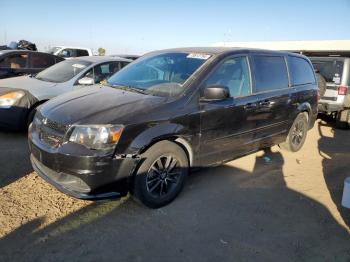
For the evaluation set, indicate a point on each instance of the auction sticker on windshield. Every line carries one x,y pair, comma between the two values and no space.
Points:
198,56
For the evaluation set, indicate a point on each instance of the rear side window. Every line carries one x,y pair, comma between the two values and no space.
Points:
68,53
81,52
331,70
42,60
15,61
301,71
270,73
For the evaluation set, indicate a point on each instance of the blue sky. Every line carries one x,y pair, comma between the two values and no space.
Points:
141,26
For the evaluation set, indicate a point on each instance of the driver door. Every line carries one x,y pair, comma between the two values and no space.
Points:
228,126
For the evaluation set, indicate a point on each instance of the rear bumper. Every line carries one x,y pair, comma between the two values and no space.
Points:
324,107
83,177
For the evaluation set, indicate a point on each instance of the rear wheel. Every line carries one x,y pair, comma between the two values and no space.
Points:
297,134
342,119
162,174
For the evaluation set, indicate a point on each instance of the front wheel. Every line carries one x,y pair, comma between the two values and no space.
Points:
162,174
297,134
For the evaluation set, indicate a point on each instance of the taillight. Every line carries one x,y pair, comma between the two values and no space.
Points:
342,90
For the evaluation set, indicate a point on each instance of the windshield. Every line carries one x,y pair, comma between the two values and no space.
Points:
331,70
162,74
54,50
63,71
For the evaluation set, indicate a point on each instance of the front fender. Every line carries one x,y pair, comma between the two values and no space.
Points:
151,135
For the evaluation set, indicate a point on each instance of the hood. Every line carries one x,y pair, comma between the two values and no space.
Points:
99,105
30,84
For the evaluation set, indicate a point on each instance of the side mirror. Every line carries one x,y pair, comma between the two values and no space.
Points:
216,92
86,81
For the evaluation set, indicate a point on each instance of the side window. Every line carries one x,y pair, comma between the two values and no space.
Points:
81,52
41,60
15,61
270,73
103,71
67,53
233,73
301,71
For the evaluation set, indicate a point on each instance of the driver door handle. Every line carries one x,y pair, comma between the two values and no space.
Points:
265,103
250,106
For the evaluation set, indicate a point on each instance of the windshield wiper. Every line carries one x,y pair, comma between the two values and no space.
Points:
130,88
44,79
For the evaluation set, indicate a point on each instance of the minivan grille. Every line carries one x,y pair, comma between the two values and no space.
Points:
55,126
50,132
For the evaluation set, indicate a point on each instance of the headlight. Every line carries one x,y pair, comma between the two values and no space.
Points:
96,136
9,99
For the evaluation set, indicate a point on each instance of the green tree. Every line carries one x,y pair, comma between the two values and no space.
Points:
101,51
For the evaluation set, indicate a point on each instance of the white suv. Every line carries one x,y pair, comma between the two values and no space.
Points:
336,99
68,51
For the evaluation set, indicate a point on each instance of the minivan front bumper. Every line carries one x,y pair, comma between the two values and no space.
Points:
84,177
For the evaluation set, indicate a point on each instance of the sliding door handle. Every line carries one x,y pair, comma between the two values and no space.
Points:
266,103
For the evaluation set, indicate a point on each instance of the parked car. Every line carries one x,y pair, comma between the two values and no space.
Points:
168,111
20,96
336,99
69,51
24,62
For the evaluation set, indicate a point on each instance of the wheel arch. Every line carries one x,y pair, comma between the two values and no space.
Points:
176,139
306,108
162,132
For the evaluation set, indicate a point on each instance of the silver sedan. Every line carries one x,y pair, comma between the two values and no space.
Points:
20,96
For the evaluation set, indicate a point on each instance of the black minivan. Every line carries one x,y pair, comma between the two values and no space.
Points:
170,111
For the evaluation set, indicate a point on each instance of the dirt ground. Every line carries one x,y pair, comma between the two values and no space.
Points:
251,209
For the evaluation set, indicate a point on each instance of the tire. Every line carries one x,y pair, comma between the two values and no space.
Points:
156,183
322,84
297,133
342,119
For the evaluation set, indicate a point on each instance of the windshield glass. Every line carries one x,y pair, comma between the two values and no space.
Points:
162,74
63,71
331,70
54,49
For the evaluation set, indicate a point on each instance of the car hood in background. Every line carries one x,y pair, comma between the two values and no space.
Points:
30,84
99,105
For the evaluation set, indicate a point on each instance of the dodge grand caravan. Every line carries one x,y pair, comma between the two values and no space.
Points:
170,111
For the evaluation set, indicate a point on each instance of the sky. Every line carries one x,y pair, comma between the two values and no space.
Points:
136,26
